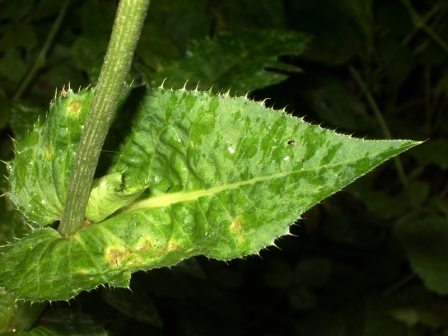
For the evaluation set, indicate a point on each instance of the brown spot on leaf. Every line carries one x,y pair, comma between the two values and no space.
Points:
236,226
115,257
86,222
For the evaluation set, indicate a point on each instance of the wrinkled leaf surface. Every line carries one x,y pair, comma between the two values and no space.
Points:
225,177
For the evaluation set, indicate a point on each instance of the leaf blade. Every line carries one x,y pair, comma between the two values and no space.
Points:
42,164
233,62
226,178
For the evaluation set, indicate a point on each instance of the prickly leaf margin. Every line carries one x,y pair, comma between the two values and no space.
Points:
218,176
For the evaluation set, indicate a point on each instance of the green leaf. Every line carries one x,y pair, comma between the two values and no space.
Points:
22,117
107,196
155,42
71,322
16,316
38,331
12,223
138,307
12,66
7,310
41,168
425,240
334,104
15,39
181,20
88,53
226,177
60,322
235,62
397,60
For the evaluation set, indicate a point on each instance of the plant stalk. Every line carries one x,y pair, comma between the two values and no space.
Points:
420,23
125,34
26,315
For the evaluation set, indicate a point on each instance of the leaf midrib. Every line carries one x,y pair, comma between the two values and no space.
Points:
168,199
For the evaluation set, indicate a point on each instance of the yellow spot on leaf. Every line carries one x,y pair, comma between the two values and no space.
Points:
143,245
48,153
172,247
236,226
74,106
115,257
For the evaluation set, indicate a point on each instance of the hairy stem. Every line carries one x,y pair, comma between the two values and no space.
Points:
124,38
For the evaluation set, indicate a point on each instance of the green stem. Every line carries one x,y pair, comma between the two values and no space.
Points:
424,19
399,284
26,315
41,58
381,121
124,38
420,23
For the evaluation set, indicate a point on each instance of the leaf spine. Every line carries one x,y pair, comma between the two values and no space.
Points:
163,82
264,101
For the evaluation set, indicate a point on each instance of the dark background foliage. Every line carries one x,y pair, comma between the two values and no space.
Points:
370,260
